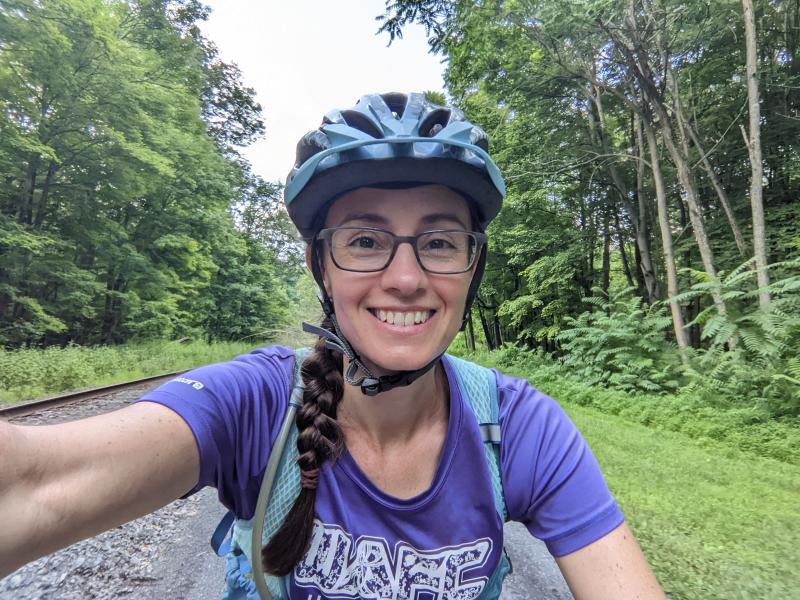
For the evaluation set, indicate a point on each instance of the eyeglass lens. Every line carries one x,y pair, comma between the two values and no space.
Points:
358,249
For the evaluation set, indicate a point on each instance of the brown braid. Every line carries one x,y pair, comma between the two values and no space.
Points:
319,439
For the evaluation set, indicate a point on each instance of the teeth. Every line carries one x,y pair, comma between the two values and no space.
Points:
403,318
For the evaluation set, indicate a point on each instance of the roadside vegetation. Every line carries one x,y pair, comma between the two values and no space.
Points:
713,522
32,373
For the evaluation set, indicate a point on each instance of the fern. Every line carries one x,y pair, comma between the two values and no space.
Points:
621,343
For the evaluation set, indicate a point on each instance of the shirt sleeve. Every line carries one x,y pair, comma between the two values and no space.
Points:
234,410
552,481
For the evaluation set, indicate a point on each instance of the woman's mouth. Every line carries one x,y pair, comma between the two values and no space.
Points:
402,318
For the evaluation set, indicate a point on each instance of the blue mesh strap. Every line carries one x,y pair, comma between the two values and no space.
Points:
479,388
286,487
218,542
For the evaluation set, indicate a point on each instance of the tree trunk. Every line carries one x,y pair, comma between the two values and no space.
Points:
653,292
754,150
721,193
469,333
666,239
498,334
606,280
623,253
486,332
25,210
638,63
41,209
636,217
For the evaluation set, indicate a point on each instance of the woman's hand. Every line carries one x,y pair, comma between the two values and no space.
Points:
612,568
63,483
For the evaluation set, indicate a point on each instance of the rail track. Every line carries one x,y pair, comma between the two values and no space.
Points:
28,408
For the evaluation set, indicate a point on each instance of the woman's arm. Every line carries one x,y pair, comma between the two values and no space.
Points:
63,483
611,568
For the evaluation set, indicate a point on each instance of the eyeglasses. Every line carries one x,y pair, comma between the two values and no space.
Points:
366,249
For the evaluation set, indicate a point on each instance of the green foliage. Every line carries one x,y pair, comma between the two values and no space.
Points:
709,419
694,481
30,373
620,343
119,178
713,522
753,350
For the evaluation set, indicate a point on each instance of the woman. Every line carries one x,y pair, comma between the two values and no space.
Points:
393,197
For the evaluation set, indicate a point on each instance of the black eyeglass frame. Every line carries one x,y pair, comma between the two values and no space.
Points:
480,242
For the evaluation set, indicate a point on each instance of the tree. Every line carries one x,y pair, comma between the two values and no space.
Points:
754,150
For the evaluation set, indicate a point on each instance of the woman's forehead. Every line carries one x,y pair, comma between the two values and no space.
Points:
420,205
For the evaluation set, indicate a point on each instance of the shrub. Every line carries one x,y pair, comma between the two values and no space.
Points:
621,343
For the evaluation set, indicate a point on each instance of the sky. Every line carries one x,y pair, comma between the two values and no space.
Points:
306,57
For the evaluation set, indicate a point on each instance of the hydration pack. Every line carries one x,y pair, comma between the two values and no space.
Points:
233,538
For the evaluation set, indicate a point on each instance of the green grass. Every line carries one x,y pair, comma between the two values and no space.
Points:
713,522
31,373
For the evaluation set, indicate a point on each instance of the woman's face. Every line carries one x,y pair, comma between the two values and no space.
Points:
373,308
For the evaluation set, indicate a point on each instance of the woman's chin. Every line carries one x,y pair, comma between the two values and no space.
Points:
391,365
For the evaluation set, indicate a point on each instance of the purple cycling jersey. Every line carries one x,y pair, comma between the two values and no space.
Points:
447,538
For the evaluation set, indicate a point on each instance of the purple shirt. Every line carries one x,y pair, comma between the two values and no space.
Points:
447,538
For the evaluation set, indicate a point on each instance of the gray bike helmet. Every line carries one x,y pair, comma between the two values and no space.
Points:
389,140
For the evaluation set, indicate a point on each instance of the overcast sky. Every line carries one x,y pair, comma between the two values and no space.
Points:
305,57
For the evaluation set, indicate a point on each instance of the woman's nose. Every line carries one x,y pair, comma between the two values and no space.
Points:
404,273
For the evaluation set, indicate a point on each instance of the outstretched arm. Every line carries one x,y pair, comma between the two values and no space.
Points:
63,483
611,568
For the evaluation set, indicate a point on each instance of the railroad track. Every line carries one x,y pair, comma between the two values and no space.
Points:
35,406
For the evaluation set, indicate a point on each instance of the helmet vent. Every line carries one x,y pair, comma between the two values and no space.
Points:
396,103
434,122
360,121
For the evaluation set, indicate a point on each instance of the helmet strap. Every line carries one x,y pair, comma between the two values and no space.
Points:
472,293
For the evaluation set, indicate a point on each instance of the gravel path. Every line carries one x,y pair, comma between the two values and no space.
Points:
166,554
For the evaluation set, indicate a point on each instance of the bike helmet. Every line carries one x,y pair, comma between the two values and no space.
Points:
389,140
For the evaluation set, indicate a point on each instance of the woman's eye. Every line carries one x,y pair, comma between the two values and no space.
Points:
364,242
439,244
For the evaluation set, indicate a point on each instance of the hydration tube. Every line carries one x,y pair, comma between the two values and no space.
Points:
295,402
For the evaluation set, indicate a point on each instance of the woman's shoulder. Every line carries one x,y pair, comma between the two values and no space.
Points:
265,371
255,367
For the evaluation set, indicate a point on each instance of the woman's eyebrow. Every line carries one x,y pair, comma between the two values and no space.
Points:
439,217
373,218
377,219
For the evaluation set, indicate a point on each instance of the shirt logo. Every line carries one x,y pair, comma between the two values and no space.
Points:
195,384
368,568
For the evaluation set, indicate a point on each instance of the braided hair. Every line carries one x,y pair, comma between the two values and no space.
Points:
319,439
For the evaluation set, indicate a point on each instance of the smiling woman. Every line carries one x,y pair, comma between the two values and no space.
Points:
404,462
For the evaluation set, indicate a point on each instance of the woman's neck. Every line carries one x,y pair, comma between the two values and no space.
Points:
397,415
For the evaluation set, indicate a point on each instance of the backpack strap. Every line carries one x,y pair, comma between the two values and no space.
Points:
479,388
279,487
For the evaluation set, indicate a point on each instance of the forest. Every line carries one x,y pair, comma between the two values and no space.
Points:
126,210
